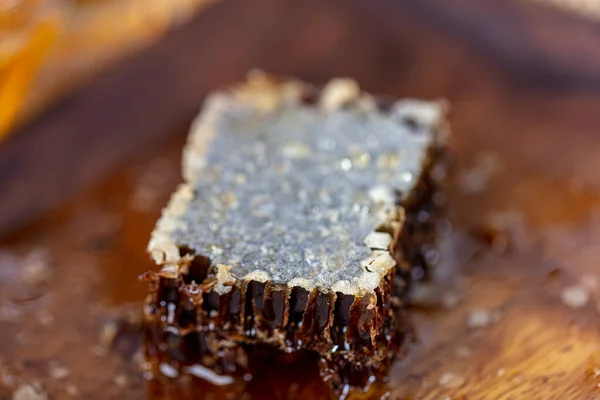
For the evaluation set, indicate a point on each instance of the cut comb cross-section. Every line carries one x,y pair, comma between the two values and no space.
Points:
302,214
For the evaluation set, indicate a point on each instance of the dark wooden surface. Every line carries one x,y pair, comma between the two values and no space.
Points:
538,45
524,205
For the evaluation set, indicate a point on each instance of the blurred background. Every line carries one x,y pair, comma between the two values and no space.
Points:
96,98
50,47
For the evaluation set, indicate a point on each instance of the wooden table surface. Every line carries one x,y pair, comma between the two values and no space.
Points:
513,311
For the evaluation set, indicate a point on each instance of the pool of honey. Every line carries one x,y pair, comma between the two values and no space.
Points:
512,311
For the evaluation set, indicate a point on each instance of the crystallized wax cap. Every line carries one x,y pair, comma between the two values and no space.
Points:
295,192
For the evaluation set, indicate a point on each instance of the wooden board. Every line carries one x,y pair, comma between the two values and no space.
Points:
512,312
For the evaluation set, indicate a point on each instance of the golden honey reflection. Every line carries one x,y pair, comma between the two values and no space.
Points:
48,47
26,34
